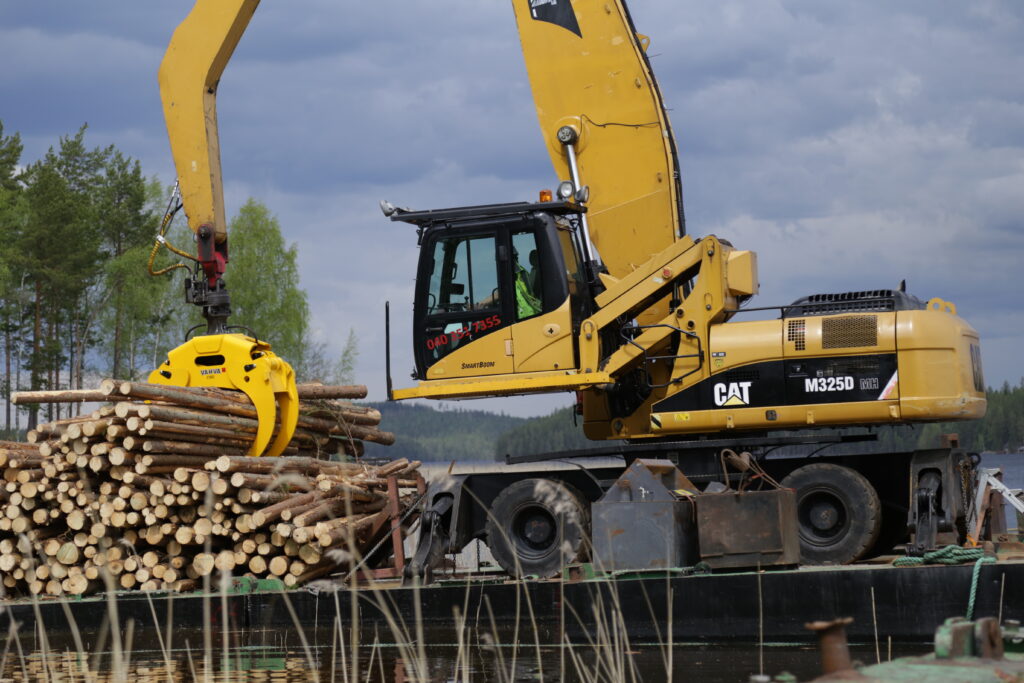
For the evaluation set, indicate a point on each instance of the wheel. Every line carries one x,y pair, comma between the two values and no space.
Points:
838,511
537,526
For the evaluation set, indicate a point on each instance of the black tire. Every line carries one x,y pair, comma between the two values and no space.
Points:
537,526
838,510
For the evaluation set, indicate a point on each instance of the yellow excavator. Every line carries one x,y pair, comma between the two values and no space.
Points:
598,288
638,316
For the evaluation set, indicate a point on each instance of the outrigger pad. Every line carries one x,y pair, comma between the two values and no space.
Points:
235,361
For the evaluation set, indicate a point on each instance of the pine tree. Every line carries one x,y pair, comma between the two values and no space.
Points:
127,223
11,220
59,251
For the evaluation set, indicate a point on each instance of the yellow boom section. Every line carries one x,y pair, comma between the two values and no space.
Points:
588,70
198,52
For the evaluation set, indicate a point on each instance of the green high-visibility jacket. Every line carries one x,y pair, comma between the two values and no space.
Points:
527,304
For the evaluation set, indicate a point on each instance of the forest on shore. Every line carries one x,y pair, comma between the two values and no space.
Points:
77,301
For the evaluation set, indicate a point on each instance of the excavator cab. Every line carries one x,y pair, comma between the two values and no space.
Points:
508,276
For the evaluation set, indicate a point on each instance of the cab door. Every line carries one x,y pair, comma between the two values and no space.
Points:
543,277
463,310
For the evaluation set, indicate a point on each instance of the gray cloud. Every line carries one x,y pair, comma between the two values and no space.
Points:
850,144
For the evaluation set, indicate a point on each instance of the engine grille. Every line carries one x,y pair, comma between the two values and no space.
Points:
849,332
795,332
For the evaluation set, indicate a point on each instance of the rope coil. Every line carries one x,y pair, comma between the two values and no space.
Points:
953,554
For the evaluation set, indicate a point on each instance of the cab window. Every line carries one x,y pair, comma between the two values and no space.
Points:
573,268
465,276
463,300
528,284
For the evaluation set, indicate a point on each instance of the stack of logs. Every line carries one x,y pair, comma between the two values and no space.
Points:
154,491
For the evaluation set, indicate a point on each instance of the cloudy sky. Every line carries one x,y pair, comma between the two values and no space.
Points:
851,144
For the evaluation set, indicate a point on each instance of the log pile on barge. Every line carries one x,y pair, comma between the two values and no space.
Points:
154,491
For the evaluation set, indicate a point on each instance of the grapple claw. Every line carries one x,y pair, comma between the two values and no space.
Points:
288,414
235,361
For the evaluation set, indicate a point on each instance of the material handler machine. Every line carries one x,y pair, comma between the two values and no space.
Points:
599,289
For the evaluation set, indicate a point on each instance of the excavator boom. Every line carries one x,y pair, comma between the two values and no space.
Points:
589,71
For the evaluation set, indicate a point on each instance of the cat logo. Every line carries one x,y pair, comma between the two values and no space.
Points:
732,393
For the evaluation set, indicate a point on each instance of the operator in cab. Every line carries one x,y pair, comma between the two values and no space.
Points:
527,302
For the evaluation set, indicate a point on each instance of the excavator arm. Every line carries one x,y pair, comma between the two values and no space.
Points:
189,75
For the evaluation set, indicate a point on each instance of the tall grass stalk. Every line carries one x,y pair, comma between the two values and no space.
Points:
21,652
207,611
76,636
503,675
225,657
101,643
461,659
420,640
874,622
11,632
117,652
164,649
191,662
41,630
129,637
373,656
380,662
521,585
341,637
665,648
670,667
760,623
334,647
411,648
302,636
